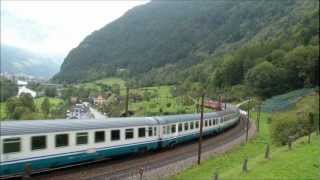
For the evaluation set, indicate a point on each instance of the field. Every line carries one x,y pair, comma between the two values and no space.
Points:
161,102
97,85
299,163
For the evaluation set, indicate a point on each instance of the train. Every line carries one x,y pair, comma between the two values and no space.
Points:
43,145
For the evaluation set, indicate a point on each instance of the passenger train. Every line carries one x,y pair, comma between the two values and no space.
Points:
50,144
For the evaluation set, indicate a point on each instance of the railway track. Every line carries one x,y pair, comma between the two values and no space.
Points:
124,167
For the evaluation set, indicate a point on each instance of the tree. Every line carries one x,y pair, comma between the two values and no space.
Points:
27,101
50,92
8,89
266,80
45,107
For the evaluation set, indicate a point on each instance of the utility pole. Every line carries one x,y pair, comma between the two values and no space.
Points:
201,127
248,118
127,102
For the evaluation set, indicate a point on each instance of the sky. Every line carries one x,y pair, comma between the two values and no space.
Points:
55,27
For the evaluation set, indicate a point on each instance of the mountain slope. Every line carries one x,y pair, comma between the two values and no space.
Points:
163,37
16,61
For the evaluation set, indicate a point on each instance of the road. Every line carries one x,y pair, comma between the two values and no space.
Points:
96,114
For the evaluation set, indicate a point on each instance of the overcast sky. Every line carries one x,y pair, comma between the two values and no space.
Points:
55,27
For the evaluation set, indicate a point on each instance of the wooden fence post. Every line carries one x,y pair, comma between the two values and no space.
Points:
266,155
215,175
245,165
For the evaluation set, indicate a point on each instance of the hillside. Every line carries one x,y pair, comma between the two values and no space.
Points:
298,163
16,61
166,42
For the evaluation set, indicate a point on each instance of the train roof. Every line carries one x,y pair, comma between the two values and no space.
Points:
188,117
11,128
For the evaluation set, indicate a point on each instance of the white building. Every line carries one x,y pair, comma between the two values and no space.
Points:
25,90
22,83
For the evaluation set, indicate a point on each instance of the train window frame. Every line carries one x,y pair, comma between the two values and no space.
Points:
210,122
115,137
197,124
173,128
150,131
180,128
141,132
154,131
40,148
191,125
13,140
63,145
103,137
164,130
168,129
186,126
82,135
129,131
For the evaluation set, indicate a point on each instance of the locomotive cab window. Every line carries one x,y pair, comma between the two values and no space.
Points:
142,132
38,142
115,135
82,138
11,145
62,140
99,136
129,133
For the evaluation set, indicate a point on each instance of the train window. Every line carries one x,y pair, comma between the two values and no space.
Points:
173,128
99,136
214,121
180,127
191,125
38,142
82,138
142,132
210,122
197,124
115,135
205,123
129,133
11,145
150,131
154,131
164,130
186,126
168,129
62,140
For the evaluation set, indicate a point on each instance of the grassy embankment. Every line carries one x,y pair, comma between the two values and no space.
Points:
301,162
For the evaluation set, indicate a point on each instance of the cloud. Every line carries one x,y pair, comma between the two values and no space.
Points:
56,26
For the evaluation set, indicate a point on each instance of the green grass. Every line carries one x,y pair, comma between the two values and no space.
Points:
300,163
3,113
163,99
